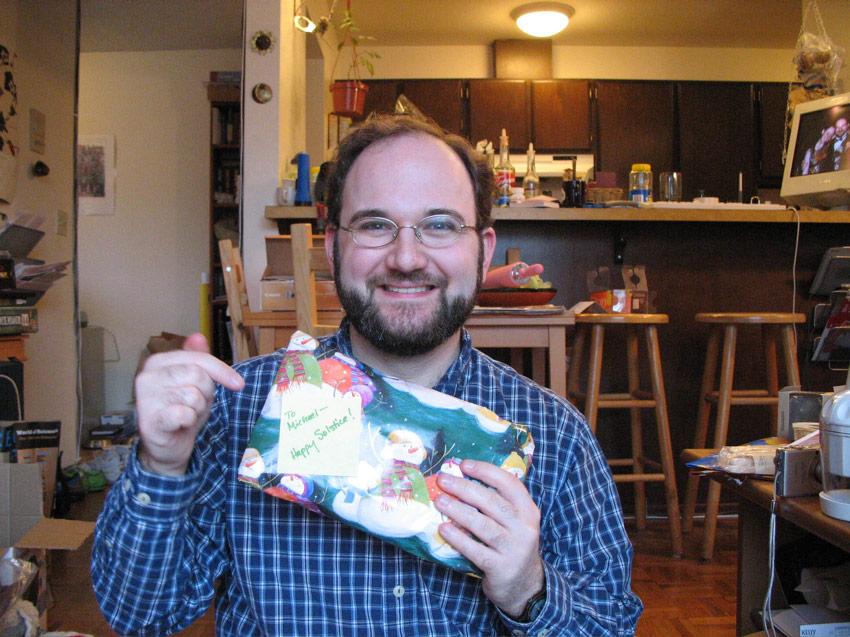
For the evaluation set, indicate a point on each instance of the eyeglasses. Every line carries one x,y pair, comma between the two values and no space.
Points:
436,231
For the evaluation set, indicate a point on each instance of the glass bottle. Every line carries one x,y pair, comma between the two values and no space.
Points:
640,183
531,182
505,175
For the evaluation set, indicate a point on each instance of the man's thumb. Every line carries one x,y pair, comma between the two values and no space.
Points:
196,342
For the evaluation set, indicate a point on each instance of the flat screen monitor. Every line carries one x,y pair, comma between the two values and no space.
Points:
817,164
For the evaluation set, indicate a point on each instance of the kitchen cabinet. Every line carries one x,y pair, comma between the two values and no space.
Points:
770,99
442,100
635,124
716,139
498,104
560,115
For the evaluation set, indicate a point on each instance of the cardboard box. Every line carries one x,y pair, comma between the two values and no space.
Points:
23,527
277,288
38,442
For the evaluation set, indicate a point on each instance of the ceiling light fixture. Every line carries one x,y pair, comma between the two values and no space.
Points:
543,19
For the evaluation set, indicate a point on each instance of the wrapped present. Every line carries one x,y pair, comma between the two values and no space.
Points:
347,441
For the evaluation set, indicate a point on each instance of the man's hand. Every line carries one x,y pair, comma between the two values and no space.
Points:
174,395
506,520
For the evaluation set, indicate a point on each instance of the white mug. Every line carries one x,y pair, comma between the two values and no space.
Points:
286,193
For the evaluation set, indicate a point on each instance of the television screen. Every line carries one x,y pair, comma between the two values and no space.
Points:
821,141
817,166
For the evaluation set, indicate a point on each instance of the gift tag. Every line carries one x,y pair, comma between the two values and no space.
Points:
319,431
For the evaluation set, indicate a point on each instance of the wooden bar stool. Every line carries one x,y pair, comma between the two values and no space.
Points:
634,400
724,329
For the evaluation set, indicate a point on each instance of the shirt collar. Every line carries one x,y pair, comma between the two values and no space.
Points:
448,384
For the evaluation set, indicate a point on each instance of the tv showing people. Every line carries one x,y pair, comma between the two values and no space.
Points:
822,145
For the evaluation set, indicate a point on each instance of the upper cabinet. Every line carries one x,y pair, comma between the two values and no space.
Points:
770,100
560,115
636,125
442,100
498,104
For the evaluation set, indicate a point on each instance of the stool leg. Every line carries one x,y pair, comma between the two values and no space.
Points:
574,372
594,375
703,416
636,426
768,338
724,398
789,353
664,444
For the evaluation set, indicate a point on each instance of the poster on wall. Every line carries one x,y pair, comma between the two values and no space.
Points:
9,150
96,174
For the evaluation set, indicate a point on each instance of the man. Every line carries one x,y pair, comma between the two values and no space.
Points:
839,144
409,239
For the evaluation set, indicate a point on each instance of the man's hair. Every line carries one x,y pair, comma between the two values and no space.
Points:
384,127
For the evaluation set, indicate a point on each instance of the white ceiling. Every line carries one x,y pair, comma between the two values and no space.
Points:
114,25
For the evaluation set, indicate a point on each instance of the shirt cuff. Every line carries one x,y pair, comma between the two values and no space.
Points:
554,614
153,498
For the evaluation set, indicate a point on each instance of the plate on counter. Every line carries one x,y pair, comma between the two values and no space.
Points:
515,297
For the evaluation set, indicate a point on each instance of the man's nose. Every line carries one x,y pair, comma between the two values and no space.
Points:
407,253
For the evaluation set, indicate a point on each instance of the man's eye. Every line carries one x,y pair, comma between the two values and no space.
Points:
440,225
374,226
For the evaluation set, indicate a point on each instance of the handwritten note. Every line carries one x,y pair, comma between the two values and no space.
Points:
319,432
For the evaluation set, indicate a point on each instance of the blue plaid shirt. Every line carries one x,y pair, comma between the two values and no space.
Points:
162,543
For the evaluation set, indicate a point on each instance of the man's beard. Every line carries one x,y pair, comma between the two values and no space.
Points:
408,337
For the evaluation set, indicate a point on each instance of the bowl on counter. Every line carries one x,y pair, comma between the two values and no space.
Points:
515,297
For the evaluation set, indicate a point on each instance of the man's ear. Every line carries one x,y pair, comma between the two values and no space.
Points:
488,239
330,237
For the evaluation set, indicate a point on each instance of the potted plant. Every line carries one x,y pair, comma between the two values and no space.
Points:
349,95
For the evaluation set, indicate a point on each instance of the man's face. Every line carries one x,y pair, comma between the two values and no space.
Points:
840,127
407,298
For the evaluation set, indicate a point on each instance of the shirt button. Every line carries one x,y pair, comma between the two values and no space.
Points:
516,632
543,633
143,498
127,484
398,591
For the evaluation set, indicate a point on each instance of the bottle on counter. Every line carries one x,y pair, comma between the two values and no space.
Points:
505,174
640,183
531,182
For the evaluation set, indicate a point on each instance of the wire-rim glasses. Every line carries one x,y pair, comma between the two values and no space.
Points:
435,231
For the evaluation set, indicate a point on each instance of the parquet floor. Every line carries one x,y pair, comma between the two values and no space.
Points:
682,597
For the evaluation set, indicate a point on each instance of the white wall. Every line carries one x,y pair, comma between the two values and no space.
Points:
43,36
140,268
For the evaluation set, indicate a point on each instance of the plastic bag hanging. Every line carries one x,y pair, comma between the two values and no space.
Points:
817,62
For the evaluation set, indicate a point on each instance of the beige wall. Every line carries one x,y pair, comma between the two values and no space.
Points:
140,268
43,36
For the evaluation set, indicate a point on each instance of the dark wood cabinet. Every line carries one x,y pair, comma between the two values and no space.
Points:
716,139
770,101
441,100
561,115
636,124
498,104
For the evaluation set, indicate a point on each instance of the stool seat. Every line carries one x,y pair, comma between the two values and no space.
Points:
748,318
724,328
634,399
625,319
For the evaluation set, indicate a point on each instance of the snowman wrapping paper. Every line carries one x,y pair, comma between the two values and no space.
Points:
344,440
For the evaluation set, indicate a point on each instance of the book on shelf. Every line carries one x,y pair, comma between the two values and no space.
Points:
18,320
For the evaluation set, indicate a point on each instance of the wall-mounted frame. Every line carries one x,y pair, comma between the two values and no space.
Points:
96,174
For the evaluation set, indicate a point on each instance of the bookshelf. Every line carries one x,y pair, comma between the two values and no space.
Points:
225,199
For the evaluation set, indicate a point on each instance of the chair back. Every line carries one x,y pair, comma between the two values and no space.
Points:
306,261
237,299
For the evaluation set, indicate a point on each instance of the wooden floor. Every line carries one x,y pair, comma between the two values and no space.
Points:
682,597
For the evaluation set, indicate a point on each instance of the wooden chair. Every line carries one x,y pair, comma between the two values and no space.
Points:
237,299
306,261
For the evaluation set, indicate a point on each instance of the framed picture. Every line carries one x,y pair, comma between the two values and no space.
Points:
96,174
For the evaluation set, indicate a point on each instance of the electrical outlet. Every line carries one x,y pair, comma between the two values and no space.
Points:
62,223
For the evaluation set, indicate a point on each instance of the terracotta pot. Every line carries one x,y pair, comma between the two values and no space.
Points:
349,98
